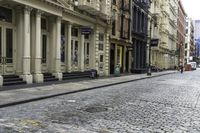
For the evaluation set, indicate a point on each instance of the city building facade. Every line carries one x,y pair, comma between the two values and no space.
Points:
181,33
139,28
164,27
189,41
197,36
120,42
197,48
56,36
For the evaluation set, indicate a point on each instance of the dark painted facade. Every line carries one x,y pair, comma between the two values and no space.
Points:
139,34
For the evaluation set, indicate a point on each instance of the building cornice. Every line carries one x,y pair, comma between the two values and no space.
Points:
59,10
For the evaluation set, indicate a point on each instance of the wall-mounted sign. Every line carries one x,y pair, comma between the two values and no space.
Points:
86,30
154,42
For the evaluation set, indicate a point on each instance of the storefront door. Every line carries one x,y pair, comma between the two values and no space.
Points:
87,55
74,54
6,50
44,42
120,57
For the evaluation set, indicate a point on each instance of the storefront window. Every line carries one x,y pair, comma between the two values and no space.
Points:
9,45
87,53
119,55
44,49
6,14
75,32
74,52
43,24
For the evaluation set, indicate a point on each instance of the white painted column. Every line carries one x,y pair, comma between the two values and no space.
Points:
97,49
57,72
69,56
19,40
38,76
107,54
82,53
26,56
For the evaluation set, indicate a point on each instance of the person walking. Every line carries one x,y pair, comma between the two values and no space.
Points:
181,68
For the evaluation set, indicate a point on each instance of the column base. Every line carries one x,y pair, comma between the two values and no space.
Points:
38,78
106,72
69,70
27,78
58,75
1,80
82,70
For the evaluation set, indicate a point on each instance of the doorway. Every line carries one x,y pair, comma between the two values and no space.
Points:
74,54
112,58
6,50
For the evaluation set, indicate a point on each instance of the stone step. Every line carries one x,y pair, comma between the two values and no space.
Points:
50,79
12,79
13,83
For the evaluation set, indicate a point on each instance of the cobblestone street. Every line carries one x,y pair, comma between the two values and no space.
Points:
169,103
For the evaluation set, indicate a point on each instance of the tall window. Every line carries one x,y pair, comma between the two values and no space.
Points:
9,45
101,41
113,27
186,45
44,48
43,23
75,32
135,19
63,42
114,2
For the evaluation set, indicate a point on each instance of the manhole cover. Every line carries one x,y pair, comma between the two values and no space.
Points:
96,109
161,80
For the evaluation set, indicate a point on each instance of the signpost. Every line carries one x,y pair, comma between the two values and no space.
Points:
86,30
154,42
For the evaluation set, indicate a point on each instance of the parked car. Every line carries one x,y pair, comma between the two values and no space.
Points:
193,65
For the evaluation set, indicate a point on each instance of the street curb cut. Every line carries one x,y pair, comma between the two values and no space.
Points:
82,90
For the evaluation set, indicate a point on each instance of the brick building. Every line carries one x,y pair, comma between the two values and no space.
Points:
181,33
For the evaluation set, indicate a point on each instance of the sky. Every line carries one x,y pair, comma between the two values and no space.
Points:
192,8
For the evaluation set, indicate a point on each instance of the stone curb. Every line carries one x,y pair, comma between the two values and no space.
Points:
71,92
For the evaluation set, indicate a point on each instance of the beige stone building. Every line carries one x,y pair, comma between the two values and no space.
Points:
164,27
41,38
189,41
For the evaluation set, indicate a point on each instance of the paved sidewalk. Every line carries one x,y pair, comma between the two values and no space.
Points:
29,94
